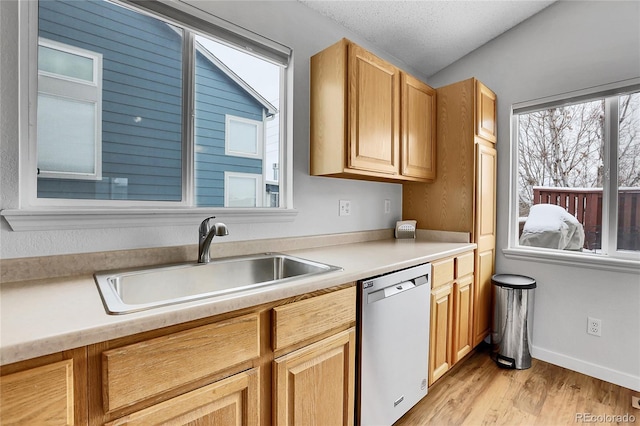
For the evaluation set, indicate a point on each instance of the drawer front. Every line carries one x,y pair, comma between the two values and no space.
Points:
230,401
42,395
299,321
464,265
135,372
442,272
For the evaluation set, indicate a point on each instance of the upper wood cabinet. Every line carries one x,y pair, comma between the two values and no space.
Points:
463,198
485,112
373,113
418,115
369,120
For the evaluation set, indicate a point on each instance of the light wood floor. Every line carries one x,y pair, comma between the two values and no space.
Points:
477,392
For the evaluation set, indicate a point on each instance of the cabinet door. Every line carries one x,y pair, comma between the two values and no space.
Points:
418,134
441,328
41,395
48,390
374,87
485,237
315,385
485,112
231,401
463,317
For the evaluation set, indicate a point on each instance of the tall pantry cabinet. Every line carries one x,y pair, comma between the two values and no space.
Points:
463,196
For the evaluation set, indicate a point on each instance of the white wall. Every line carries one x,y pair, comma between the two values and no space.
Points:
566,47
316,198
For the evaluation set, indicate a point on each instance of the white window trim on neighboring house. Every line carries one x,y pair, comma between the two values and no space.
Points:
612,259
258,186
63,87
230,150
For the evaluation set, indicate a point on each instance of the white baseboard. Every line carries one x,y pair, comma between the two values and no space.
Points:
599,372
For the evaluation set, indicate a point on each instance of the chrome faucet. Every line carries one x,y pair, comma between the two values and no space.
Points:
206,232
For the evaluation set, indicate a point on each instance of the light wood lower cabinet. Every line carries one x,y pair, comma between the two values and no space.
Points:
49,390
315,385
286,362
314,372
441,327
452,302
223,372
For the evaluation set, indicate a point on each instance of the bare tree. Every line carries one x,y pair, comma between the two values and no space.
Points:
629,141
560,147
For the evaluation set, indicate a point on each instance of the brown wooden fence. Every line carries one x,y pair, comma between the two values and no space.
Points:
586,205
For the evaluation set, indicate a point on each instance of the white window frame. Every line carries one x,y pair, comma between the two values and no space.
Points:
259,186
66,87
228,148
33,214
610,258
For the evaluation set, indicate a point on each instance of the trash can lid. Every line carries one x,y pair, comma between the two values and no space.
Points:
513,281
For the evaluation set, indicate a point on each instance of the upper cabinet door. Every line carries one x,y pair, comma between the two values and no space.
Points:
485,112
374,87
418,115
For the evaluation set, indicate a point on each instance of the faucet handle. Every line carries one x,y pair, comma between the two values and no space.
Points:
203,230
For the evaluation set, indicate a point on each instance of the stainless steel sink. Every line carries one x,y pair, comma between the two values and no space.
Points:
140,289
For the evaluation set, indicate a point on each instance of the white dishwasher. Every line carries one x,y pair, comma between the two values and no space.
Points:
393,346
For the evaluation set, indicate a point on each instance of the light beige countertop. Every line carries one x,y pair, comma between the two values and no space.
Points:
44,316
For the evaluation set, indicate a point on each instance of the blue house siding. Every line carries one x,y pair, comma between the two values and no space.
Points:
142,110
141,99
217,95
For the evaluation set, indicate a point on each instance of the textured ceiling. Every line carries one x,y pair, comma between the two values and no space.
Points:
428,35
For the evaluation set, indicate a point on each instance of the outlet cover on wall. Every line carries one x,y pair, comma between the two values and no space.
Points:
594,326
345,208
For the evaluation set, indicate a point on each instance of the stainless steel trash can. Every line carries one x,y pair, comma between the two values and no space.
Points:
512,320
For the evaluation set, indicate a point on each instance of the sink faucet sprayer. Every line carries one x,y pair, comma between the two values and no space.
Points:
206,232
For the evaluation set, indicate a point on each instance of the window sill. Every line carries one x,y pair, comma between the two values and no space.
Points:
67,219
580,260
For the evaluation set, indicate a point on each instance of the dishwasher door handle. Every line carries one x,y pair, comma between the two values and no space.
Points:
392,290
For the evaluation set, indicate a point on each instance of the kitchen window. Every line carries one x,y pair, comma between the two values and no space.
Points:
577,176
137,104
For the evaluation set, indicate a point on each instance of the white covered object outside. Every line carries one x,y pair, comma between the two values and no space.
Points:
551,226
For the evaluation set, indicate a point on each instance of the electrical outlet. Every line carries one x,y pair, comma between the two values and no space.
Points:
345,208
635,402
594,326
387,206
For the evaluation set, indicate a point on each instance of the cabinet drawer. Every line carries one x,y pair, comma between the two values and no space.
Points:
135,372
299,321
42,395
228,401
464,265
442,272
